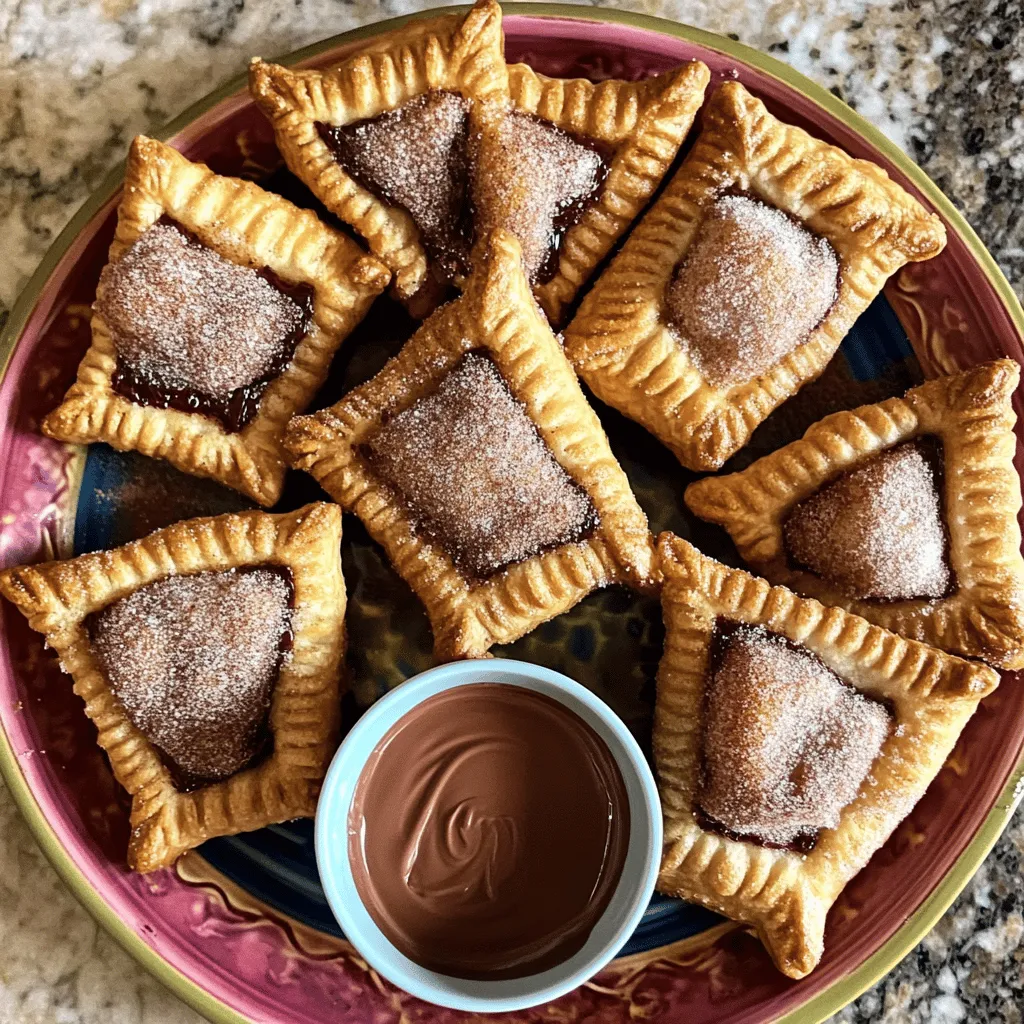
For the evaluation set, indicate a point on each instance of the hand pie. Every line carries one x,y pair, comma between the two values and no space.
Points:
381,138
904,512
474,459
208,656
739,284
790,740
215,321
572,164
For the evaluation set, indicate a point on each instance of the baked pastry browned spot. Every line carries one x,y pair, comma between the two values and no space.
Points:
474,459
573,163
215,321
738,285
380,138
790,739
208,655
904,512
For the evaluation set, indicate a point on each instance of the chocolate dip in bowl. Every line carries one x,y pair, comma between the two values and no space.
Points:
488,835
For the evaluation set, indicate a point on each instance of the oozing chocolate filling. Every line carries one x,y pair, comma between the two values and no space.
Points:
193,661
139,378
477,475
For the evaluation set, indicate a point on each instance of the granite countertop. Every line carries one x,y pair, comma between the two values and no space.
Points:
78,78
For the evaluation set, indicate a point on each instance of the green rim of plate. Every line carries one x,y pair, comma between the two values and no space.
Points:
841,993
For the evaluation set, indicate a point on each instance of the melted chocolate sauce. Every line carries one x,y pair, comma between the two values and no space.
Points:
488,832
236,409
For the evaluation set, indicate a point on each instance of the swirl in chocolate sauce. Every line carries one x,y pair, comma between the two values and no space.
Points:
488,832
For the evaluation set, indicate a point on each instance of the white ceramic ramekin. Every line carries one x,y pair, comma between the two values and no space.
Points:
613,928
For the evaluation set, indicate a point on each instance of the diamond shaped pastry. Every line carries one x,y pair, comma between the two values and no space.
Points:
474,459
738,285
573,163
208,655
790,740
215,321
904,512
380,139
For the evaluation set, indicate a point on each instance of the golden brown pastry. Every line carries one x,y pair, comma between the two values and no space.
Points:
790,740
904,512
738,285
208,655
380,139
215,321
573,163
474,459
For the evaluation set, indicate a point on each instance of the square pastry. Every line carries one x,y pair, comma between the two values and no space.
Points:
381,138
904,512
474,459
215,321
790,740
572,164
738,285
208,655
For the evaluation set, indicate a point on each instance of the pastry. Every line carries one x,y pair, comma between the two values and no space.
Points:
208,656
215,321
738,285
571,165
904,512
474,459
380,139
790,740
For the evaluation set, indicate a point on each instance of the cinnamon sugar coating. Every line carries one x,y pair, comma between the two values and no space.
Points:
877,532
193,661
752,287
787,744
535,180
415,157
179,312
470,463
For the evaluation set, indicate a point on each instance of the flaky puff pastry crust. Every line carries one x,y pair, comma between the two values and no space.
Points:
784,895
621,341
971,414
456,53
644,122
498,316
56,598
249,226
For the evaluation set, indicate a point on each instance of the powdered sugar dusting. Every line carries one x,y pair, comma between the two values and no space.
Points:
787,744
473,467
414,157
877,532
750,289
181,313
193,660
530,174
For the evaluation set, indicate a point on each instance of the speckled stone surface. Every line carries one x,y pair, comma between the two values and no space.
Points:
944,79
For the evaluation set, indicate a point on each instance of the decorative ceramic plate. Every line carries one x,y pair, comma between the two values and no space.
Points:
241,929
